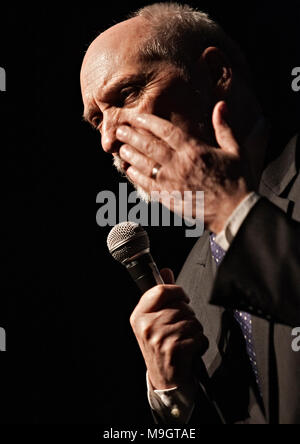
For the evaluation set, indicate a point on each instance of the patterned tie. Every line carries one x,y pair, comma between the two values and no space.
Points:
244,319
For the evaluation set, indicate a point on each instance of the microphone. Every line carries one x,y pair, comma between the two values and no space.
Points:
129,244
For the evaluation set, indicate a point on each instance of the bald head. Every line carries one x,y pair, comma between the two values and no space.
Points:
126,33
113,47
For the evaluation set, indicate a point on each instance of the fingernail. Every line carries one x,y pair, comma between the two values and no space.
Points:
141,119
122,131
124,152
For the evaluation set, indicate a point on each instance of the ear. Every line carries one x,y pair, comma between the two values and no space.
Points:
219,69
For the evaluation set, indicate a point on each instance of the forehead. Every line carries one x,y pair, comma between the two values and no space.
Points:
113,55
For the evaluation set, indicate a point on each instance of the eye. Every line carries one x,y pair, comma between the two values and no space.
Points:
128,94
96,122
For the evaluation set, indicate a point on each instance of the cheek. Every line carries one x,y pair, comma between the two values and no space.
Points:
177,105
181,121
157,102
148,104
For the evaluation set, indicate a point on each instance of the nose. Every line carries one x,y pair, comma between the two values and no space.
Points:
110,143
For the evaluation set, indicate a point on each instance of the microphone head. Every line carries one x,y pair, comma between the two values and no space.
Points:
127,240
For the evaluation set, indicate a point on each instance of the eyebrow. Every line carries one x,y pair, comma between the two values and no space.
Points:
114,88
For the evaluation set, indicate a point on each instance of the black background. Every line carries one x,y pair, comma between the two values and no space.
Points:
65,304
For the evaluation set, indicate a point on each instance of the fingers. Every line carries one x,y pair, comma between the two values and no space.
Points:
223,132
160,128
160,297
146,324
142,163
170,330
175,312
146,144
168,276
185,329
139,179
169,334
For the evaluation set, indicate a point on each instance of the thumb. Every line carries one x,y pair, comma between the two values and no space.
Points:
168,276
223,132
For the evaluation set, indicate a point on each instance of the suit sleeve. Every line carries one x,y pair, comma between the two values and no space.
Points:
261,271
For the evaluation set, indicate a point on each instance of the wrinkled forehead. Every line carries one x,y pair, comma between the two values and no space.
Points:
113,50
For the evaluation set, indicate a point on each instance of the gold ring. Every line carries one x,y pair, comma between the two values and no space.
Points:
155,172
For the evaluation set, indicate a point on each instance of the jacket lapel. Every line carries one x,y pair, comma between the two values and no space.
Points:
280,183
196,278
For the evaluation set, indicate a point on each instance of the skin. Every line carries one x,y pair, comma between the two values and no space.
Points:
148,114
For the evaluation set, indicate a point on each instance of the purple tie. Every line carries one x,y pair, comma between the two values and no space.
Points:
244,319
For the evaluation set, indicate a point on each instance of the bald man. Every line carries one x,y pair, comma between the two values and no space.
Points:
170,94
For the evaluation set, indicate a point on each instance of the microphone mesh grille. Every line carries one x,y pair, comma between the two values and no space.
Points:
126,240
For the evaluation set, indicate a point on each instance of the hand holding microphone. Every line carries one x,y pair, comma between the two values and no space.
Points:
169,335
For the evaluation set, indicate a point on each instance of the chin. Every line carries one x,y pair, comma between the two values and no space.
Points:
122,167
143,195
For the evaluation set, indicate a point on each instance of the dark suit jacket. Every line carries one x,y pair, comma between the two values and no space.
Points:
261,275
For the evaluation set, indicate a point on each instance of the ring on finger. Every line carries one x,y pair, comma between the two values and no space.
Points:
155,171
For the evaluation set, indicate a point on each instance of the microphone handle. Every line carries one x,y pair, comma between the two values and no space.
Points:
144,272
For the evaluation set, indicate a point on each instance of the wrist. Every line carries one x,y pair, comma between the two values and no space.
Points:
175,405
160,382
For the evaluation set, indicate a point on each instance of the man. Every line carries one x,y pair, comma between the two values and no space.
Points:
171,96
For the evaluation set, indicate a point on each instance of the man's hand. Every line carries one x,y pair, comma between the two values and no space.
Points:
168,334
186,164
